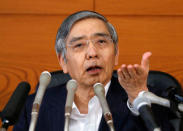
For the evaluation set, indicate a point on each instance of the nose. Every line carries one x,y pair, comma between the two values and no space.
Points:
91,51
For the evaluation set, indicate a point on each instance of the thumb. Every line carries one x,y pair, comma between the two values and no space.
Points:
145,60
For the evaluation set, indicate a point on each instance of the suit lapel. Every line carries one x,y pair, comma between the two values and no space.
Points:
56,109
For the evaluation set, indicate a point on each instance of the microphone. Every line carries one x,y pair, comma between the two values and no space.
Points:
71,89
12,110
100,93
161,101
45,79
143,106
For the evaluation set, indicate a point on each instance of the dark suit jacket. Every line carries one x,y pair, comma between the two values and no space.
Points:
51,114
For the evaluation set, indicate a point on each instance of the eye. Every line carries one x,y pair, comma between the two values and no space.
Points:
79,45
102,41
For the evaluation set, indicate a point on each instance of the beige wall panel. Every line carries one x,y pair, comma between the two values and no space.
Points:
139,7
44,6
26,49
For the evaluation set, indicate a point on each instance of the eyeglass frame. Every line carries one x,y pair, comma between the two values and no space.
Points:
91,40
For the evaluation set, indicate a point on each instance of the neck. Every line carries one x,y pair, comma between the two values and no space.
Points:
82,98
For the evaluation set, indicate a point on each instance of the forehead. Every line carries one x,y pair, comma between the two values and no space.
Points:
88,27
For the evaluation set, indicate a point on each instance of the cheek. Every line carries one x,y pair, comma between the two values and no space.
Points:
109,63
75,65
109,58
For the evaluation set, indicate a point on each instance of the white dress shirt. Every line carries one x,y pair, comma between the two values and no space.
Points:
90,121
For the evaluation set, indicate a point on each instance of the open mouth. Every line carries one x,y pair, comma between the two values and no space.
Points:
94,69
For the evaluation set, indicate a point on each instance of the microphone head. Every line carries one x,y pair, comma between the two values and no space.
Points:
99,88
71,89
13,108
45,78
71,85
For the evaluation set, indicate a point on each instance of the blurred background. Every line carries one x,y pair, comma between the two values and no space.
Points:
28,29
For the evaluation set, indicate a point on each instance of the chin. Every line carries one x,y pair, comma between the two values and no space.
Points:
103,81
91,82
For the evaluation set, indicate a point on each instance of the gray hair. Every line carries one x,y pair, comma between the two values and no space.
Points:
67,24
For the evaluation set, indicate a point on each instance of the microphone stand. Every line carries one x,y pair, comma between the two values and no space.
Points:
71,89
67,119
108,118
100,93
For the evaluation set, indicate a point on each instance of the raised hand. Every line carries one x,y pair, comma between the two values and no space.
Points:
133,78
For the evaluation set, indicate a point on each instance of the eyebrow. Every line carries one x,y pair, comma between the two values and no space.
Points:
76,39
82,37
101,34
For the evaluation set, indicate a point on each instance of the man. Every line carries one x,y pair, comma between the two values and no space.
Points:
87,49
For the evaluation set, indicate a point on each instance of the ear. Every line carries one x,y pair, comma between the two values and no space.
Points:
62,63
116,57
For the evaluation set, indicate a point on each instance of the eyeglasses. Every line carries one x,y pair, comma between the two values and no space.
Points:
99,42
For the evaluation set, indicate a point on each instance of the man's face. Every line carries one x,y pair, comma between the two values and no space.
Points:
90,65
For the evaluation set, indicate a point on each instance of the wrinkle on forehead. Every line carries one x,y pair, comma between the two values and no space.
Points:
90,21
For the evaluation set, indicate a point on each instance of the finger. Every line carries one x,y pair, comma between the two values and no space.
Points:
138,69
125,71
131,71
120,74
145,60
